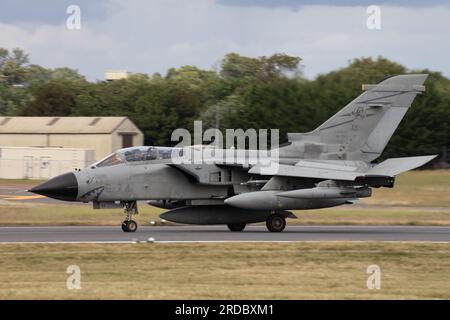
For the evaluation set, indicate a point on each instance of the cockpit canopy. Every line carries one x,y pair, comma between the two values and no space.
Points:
138,154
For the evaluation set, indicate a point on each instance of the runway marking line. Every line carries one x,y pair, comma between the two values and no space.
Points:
23,197
69,242
224,241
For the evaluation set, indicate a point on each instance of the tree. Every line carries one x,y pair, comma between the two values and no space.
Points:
66,74
12,65
236,67
52,99
155,120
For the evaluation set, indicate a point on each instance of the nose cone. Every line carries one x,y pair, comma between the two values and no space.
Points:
63,187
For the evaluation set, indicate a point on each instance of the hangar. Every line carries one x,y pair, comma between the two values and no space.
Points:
103,135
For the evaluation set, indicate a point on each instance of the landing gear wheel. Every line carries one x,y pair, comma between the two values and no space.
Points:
132,226
236,227
129,226
130,208
275,223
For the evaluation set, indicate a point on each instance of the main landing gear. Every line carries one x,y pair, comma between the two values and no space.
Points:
236,227
275,223
129,225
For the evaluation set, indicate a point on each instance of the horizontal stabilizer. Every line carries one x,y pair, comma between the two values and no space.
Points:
394,166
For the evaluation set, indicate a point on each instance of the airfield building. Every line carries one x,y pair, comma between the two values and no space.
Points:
92,137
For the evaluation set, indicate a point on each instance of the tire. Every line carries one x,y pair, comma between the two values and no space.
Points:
275,223
125,226
236,227
132,226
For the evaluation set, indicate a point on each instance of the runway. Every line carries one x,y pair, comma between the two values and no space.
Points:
256,233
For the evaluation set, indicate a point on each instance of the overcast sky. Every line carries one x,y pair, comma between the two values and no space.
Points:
152,35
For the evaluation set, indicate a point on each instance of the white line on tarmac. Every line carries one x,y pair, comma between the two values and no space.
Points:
224,241
68,242
292,241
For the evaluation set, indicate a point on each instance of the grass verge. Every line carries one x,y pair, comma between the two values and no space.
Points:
226,271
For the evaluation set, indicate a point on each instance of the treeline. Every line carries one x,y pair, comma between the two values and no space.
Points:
264,92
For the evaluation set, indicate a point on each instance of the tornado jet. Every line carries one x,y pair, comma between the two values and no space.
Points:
333,165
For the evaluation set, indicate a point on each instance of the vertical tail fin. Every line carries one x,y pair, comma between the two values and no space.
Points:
367,123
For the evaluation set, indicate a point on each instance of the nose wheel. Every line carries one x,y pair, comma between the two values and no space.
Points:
129,225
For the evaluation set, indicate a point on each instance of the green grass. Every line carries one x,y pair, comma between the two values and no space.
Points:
416,188
226,271
374,216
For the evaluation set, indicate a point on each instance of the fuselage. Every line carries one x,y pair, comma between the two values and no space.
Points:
149,173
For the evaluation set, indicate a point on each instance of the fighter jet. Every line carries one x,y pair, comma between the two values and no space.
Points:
330,166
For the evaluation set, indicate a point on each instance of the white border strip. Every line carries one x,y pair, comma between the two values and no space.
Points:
70,242
227,241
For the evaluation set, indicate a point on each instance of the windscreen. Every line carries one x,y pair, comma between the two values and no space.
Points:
112,160
148,153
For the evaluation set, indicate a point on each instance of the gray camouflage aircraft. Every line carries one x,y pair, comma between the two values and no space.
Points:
329,166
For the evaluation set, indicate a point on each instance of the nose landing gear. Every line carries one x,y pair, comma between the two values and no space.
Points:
129,225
